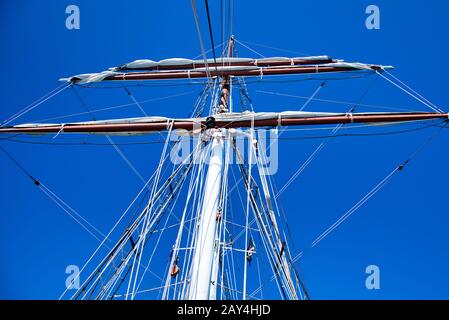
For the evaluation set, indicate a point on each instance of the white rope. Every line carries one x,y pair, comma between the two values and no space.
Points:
198,29
137,103
35,104
409,93
156,246
192,190
250,49
136,226
288,285
60,131
368,196
336,101
248,194
348,213
265,236
71,212
411,89
122,155
146,225
305,105
199,186
307,162
113,107
112,254
210,50
160,235
177,244
312,96
273,48
144,291
109,234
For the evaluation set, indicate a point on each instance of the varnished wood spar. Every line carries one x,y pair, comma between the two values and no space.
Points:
194,74
266,62
143,127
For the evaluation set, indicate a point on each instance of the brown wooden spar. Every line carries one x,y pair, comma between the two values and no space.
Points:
153,126
227,72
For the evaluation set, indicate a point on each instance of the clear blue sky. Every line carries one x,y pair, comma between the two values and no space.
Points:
403,229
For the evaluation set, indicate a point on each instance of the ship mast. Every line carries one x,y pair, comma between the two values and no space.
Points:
207,242
204,270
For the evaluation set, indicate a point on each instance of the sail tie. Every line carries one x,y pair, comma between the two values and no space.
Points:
60,131
351,117
279,119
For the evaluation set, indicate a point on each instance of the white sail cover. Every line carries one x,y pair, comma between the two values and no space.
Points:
231,116
148,64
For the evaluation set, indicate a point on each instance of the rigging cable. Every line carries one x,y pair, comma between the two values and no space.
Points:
323,143
273,48
436,109
83,103
120,106
57,200
203,51
135,101
252,50
373,191
336,101
210,32
411,89
35,104
117,149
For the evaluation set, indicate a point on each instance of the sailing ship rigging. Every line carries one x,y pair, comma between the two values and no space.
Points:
204,249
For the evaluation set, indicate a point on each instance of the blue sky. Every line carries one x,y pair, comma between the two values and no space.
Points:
403,229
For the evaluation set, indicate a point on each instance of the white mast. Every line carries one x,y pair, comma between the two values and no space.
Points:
205,262
201,270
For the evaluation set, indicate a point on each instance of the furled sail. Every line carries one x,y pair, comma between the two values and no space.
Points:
180,68
224,120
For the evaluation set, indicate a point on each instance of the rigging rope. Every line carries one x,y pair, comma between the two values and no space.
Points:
135,101
90,112
313,95
117,149
248,192
408,87
210,31
35,104
273,48
203,51
409,93
252,50
325,142
372,192
338,101
86,225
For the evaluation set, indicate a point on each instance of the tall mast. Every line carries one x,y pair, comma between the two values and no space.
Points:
204,270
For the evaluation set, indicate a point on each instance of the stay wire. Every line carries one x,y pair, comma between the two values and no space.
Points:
210,31
112,143
374,190
56,199
26,172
